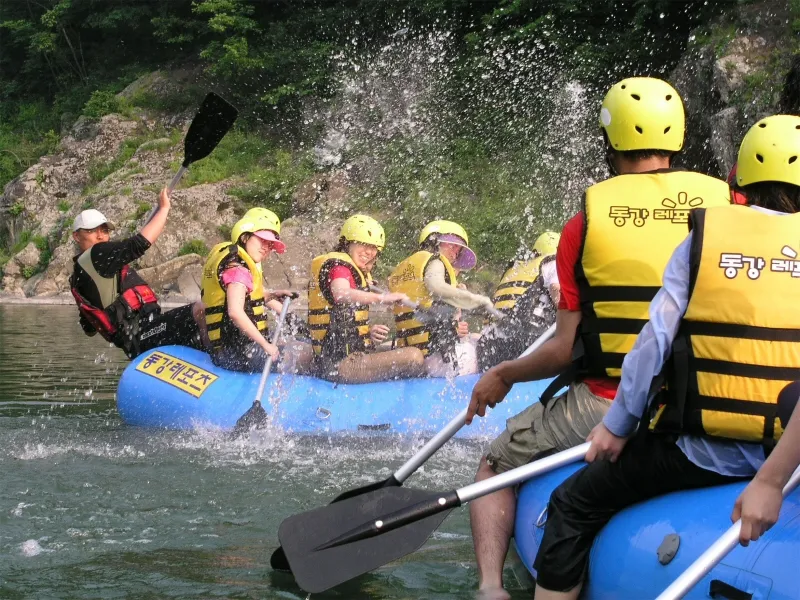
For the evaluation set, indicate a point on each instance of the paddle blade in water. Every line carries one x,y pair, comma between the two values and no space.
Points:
278,560
254,418
318,570
212,122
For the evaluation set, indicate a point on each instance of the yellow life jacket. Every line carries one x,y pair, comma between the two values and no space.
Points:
518,281
337,329
222,332
738,344
408,278
633,223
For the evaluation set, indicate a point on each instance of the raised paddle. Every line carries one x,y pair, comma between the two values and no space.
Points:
214,119
278,559
256,415
333,544
715,553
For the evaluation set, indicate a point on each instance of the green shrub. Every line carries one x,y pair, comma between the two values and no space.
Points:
194,247
63,206
272,183
141,210
16,209
104,102
224,231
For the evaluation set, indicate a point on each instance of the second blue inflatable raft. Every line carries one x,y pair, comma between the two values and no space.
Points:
174,387
624,559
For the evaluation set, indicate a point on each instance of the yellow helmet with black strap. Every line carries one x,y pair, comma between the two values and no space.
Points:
547,243
364,229
256,219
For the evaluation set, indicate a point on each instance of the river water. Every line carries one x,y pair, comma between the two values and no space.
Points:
91,508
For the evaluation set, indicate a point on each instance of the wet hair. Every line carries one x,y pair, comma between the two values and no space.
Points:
774,195
243,238
632,154
431,244
342,245
643,154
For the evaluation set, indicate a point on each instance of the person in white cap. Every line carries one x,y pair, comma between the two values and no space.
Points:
429,277
113,300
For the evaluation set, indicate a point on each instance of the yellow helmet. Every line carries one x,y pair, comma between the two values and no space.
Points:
452,233
256,219
365,230
770,151
643,113
441,228
547,243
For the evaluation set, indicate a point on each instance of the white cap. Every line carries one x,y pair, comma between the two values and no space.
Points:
89,219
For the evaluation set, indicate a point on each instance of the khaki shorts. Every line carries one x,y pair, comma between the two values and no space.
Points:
564,424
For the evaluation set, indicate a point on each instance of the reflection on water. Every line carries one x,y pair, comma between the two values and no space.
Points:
91,508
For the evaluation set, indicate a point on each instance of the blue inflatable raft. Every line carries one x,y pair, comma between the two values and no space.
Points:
624,559
174,387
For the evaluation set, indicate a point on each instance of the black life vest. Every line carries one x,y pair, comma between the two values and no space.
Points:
130,302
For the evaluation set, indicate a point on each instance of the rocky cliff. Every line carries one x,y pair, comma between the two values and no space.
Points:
744,66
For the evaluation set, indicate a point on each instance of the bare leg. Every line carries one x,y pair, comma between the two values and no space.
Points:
543,594
297,358
492,520
380,366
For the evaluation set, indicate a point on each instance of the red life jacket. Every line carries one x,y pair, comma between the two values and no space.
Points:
129,302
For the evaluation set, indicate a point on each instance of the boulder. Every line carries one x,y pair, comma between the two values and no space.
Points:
28,257
166,275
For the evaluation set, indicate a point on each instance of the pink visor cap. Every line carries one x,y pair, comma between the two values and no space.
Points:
269,236
466,259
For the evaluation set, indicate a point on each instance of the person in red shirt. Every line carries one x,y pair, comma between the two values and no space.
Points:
609,263
339,296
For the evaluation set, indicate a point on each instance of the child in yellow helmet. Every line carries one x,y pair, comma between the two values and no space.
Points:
234,296
339,298
429,277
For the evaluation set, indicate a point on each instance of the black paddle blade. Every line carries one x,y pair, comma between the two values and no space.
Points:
278,560
209,126
255,418
318,570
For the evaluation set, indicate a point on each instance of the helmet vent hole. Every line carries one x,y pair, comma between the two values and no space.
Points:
759,158
667,129
636,96
792,159
762,125
669,97
623,86
639,129
797,126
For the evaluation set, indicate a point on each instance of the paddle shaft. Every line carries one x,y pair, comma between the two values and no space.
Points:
176,180
432,446
268,365
450,500
715,553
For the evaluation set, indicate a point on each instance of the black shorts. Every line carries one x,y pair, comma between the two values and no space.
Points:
173,327
249,359
650,465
